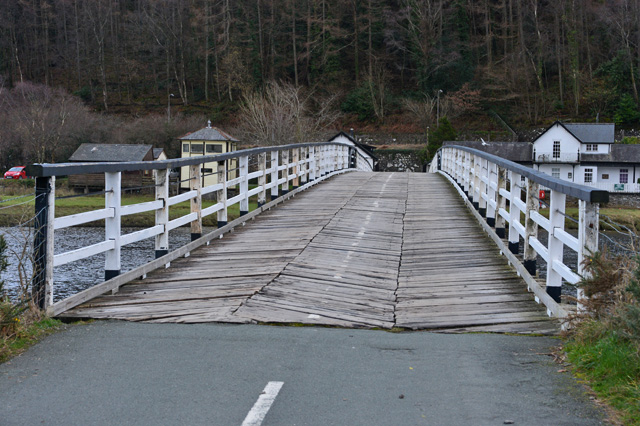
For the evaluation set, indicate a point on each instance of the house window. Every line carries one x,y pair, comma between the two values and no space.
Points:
185,147
624,175
588,175
605,176
570,175
197,148
592,147
211,148
555,172
556,149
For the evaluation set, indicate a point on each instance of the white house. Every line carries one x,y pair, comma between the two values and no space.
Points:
586,153
365,151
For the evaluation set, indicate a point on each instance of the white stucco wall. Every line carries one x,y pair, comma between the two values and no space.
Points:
568,143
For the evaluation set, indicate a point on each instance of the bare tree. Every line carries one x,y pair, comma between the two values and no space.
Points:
281,114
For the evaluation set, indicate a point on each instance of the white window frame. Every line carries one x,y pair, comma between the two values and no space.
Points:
588,175
555,172
556,149
625,173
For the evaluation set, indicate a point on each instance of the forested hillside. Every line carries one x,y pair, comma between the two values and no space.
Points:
528,60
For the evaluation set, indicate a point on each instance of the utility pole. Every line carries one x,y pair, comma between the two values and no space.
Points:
169,96
438,110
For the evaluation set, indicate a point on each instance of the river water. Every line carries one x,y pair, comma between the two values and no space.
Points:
77,276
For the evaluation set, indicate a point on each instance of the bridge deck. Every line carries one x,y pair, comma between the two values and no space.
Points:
361,250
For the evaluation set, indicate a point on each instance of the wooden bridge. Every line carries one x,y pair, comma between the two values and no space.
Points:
358,249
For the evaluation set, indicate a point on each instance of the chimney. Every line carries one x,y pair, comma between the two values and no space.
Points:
208,124
352,132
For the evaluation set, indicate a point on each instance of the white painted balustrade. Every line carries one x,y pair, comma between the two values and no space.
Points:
274,169
506,195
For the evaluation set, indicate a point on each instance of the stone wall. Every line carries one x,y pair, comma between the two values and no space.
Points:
624,200
398,160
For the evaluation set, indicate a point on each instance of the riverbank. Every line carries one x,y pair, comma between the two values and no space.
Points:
603,346
17,200
25,331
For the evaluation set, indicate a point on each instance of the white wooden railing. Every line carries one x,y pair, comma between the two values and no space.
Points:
275,169
495,187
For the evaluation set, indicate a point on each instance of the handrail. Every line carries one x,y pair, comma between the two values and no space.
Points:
64,169
488,183
581,192
296,165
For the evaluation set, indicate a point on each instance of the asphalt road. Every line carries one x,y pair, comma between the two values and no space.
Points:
118,373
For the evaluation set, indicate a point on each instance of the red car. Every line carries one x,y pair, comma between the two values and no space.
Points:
16,173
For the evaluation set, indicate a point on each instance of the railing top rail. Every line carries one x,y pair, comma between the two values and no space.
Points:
581,192
63,169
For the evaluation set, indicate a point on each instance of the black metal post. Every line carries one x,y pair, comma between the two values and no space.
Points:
41,222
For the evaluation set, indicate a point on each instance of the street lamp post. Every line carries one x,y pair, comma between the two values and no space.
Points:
438,110
169,96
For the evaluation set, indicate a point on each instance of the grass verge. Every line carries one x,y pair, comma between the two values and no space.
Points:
603,344
26,335
610,364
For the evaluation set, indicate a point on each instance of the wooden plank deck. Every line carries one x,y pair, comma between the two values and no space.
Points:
360,250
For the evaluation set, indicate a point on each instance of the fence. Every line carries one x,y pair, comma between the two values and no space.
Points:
273,170
483,178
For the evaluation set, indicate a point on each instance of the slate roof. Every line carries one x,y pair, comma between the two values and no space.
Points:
592,132
157,152
92,152
209,134
519,152
620,153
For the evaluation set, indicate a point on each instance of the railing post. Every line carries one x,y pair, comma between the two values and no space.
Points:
296,167
483,182
43,242
469,176
514,214
305,165
195,183
556,221
475,174
589,218
274,174
502,202
492,177
285,162
162,214
112,225
313,153
244,185
531,227
221,195
262,179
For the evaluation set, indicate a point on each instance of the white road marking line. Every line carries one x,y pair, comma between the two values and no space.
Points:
263,404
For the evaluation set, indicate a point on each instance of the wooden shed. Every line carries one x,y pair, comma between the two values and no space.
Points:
92,153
